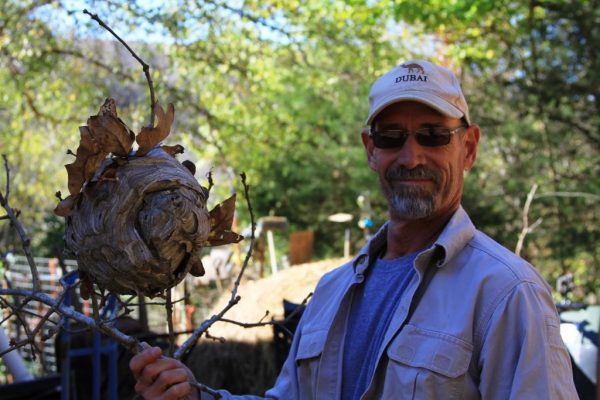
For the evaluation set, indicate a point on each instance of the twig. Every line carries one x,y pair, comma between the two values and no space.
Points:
17,310
48,314
12,308
261,322
18,345
20,230
145,66
95,307
126,341
203,327
7,190
252,238
216,395
210,180
219,339
191,341
264,316
169,308
525,229
157,303
32,334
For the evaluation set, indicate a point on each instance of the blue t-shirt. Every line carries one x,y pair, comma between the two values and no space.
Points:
373,305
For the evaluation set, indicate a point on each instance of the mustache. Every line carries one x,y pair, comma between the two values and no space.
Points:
419,172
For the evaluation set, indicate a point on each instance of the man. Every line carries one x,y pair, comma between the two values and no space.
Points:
431,308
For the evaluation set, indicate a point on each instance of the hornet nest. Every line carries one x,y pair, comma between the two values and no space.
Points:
137,221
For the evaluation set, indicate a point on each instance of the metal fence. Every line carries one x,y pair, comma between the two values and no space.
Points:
18,276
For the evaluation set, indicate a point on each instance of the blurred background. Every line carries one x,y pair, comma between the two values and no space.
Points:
278,90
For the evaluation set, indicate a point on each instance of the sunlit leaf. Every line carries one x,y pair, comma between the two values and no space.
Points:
221,219
111,134
150,137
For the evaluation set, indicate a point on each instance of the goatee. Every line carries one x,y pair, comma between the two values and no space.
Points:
411,202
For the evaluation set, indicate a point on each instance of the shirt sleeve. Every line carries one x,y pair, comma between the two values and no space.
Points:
522,354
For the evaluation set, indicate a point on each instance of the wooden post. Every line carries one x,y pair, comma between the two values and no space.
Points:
272,255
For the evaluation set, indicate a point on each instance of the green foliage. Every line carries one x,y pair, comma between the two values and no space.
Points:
532,75
279,90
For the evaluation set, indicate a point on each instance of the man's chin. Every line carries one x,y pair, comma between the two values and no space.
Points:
411,208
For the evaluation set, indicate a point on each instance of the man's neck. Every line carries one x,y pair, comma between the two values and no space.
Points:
408,236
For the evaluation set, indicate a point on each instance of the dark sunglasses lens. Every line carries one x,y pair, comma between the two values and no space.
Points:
433,140
388,142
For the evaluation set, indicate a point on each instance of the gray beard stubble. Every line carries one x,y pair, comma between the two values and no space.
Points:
412,203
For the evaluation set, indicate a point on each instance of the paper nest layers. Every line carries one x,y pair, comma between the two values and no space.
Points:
137,222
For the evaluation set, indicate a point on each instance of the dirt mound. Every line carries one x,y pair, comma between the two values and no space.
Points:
292,284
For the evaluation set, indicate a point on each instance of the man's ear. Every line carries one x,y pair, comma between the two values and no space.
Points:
471,141
368,143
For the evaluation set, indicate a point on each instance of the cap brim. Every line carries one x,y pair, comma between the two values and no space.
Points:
435,102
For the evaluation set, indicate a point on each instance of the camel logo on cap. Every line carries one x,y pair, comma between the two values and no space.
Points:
415,73
414,68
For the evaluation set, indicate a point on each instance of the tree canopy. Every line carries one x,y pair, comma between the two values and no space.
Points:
279,90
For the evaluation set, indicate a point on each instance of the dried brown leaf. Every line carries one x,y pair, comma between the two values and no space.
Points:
108,108
190,166
224,237
92,164
87,145
197,267
89,150
76,178
87,160
65,206
150,137
221,219
173,150
111,134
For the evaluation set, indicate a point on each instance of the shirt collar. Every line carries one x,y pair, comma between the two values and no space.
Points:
456,234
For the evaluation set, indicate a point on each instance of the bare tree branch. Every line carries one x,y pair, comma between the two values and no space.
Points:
525,220
169,308
261,322
7,189
20,230
125,340
145,66
234,299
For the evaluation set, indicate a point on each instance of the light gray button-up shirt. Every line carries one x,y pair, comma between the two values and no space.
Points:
484,326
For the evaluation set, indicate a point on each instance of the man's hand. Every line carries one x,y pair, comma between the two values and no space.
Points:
160,377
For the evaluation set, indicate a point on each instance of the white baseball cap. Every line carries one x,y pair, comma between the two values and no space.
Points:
420,81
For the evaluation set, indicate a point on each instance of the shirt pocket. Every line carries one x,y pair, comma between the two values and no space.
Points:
426,364
308,358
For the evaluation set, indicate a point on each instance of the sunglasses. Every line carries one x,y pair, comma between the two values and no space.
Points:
432,136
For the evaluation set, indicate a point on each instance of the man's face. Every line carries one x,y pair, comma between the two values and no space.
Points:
421,182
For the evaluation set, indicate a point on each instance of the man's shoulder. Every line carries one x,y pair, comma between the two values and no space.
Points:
326,297
333,284
337,275
490,257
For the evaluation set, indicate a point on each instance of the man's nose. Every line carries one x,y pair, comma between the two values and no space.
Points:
411,154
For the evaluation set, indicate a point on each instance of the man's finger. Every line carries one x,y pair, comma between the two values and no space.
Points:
178,391
165,381
142,359
153,371
145,345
